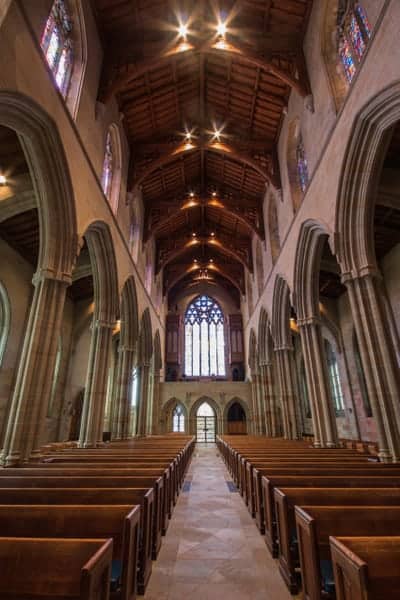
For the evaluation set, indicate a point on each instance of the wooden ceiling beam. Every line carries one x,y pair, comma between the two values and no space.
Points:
215,269
130,72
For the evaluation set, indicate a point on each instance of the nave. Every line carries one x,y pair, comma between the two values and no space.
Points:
213,549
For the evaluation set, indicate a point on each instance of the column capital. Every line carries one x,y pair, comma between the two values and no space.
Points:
283,348
100,323
42,274
369,271
307,321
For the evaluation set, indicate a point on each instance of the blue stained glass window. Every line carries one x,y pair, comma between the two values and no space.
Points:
356,37
57,45
204,338
106,178
347,60
362,17
302,167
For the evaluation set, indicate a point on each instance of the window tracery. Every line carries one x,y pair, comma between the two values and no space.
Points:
178,419
354,34
57,45
107,174
302,166
204,338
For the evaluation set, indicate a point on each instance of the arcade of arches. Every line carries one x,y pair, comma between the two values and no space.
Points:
199,222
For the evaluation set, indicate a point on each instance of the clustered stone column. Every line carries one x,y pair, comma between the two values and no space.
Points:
381,369
287,391
121,413
96,384
36,368
269,400
143,385
156,404
323,417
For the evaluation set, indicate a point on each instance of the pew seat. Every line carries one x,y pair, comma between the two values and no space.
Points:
50,569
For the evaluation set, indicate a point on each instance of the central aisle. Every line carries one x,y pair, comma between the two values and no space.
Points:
213,550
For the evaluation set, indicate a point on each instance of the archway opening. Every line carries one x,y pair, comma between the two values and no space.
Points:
236,420
178,419
205,424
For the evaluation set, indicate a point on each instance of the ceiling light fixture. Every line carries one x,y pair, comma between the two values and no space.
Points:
214,194
3,179
194,234
221,29
191,194
183,30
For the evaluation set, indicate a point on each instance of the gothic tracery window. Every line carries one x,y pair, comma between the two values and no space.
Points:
107,174
334,379
57,45
178,419
302,167
354,35
204,338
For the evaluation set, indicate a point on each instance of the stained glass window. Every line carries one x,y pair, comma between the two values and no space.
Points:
204,339
302,167
107,175
134,387
334,378
57,45
178,419
355,34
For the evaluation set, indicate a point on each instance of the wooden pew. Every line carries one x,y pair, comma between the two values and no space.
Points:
285,501
96,496
50,569
121,523
366,567
162,501
315,524
256,499
316,481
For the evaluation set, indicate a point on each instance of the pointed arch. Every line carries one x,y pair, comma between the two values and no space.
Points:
112,167
51,179
242,403
129,315
252,358
296,163
145,339
196,405
309,251
280,326
363,161
264,339
5,320
158,365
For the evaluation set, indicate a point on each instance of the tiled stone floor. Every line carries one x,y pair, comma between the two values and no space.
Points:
213,550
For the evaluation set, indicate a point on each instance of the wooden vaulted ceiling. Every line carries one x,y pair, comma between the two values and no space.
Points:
168,85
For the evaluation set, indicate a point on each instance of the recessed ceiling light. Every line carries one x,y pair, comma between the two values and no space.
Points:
221,29
183,30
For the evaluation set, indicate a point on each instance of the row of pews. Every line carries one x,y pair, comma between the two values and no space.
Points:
87,523
330,516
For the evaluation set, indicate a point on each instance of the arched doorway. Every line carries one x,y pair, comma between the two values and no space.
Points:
236,420
205,424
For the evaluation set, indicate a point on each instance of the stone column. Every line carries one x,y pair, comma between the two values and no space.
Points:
35,370
121,413
381,369
266,382
143,383
254,405
322,410
287,392
156,405
91,432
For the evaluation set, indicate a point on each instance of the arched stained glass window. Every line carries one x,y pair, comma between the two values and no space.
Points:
134,387
57,45
302,167
178,419
355,32
204,338
108,164
334,379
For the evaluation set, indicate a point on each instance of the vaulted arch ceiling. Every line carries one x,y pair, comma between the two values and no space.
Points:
228,91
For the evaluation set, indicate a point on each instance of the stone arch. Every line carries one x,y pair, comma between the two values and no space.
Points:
242,403
196,405
157,352
129,315
145,339
329,48
273,229
264,339
363,161
5,320
105,272
167,414
52,183
280,325
309,250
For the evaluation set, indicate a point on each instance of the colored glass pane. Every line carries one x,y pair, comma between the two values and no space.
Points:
347,60
363,19
106,178
57,45
356,37
302,167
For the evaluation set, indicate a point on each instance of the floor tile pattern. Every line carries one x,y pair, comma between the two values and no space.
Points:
213,550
